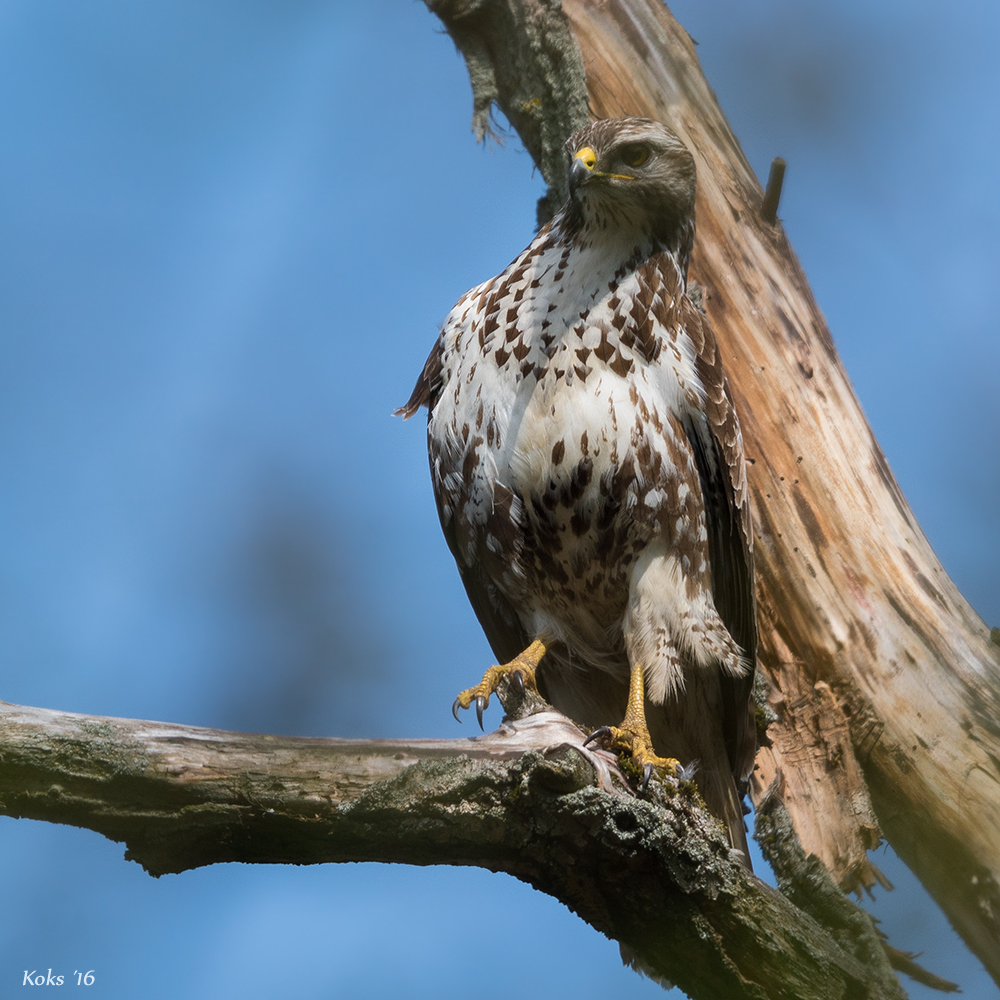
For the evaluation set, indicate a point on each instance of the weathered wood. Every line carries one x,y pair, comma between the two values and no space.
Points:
655,873
884,681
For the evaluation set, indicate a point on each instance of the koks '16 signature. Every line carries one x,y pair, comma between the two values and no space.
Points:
36,978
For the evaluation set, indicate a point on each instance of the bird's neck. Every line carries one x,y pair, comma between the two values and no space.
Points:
572,275
623,247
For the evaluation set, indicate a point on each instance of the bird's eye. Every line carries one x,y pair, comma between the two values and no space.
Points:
635,156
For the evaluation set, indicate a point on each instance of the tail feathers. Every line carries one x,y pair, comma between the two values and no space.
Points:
724,802
705,759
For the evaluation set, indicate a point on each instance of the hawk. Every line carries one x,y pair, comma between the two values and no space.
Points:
588,468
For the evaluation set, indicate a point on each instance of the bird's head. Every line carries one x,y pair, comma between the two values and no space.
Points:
632,177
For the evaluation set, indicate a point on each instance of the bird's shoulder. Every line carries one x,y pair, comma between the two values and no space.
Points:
719,408
480,313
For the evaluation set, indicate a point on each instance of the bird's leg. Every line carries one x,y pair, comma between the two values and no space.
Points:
632,736
521,670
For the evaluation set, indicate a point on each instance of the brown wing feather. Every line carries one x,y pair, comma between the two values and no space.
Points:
719,452
428,385
496,614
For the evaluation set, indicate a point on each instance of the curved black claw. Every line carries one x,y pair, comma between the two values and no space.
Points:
481,703
598,734
518,678
455,707
647,773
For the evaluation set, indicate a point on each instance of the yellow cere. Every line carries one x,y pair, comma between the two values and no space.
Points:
589,159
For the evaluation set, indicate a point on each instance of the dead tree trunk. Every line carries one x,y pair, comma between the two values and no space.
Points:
884,682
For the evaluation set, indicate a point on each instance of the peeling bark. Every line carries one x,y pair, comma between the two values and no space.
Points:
884,682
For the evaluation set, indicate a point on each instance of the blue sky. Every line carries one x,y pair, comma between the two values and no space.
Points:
227,235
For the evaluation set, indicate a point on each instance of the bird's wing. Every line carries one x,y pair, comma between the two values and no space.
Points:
500,622
425,392
715,437
504,632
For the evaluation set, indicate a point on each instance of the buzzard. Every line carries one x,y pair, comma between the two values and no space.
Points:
588,469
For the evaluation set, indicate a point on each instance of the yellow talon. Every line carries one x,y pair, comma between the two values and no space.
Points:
522,668
632,736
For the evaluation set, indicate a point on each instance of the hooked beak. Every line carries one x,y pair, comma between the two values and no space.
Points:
582,167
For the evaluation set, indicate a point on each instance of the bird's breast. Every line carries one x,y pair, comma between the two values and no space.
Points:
553,431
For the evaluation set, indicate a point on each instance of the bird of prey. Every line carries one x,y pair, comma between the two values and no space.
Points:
588,468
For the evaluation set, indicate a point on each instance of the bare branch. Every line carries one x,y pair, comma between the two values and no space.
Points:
653,873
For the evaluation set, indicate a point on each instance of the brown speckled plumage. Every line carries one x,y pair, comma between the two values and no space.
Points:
588,464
